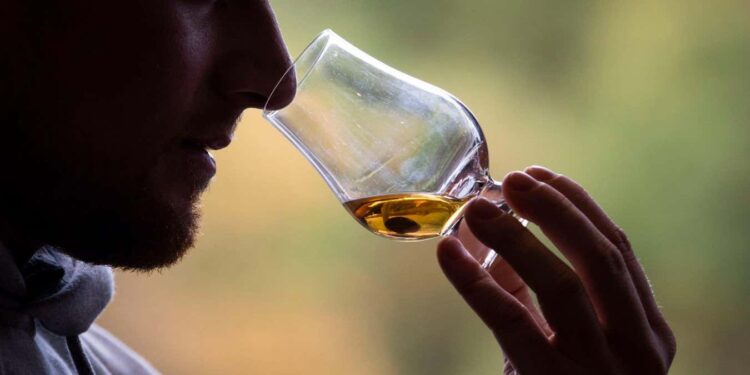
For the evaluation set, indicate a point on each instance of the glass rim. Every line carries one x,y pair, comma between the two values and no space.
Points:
324,40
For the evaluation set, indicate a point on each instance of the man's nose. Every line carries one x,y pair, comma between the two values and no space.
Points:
255,58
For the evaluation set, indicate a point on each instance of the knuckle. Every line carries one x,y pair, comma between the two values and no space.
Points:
648,350
478,288
501,316
477,284
508,317
609,261
620,240
566,286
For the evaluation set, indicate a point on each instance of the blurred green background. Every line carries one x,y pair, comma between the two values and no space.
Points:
646,103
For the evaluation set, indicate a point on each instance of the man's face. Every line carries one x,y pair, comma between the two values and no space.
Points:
108,109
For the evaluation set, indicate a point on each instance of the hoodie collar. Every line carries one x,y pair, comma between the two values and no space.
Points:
64,294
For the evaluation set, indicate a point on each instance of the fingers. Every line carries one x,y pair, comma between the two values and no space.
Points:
581,199
577,195
598,262
502,273
515,329
561,294
600,265
508,279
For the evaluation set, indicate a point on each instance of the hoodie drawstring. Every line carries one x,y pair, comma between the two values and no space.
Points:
83,366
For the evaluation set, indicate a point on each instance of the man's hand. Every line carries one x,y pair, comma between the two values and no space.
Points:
599,317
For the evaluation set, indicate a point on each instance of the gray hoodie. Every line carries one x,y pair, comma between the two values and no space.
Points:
47,311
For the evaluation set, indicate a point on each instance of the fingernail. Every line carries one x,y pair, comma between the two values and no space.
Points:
540,173
484,209
518,181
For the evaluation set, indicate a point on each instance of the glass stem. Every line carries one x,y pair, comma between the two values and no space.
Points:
493,191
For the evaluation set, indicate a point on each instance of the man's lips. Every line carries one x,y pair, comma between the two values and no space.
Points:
194,148
200,164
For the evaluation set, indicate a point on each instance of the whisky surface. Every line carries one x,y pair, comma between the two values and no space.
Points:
410,216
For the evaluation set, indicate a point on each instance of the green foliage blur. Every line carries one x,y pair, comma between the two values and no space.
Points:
646,103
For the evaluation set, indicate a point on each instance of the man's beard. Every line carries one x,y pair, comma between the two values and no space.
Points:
129,232
138,231
127,227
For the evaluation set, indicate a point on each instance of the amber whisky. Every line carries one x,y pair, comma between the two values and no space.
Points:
410,216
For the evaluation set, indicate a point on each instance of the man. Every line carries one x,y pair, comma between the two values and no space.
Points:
106,115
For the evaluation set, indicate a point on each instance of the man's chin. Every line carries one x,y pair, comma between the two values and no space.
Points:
145,236
157,246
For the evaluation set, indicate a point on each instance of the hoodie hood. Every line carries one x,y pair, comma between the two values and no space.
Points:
65,295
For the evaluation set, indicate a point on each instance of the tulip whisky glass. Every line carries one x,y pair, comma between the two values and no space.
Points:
403,156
